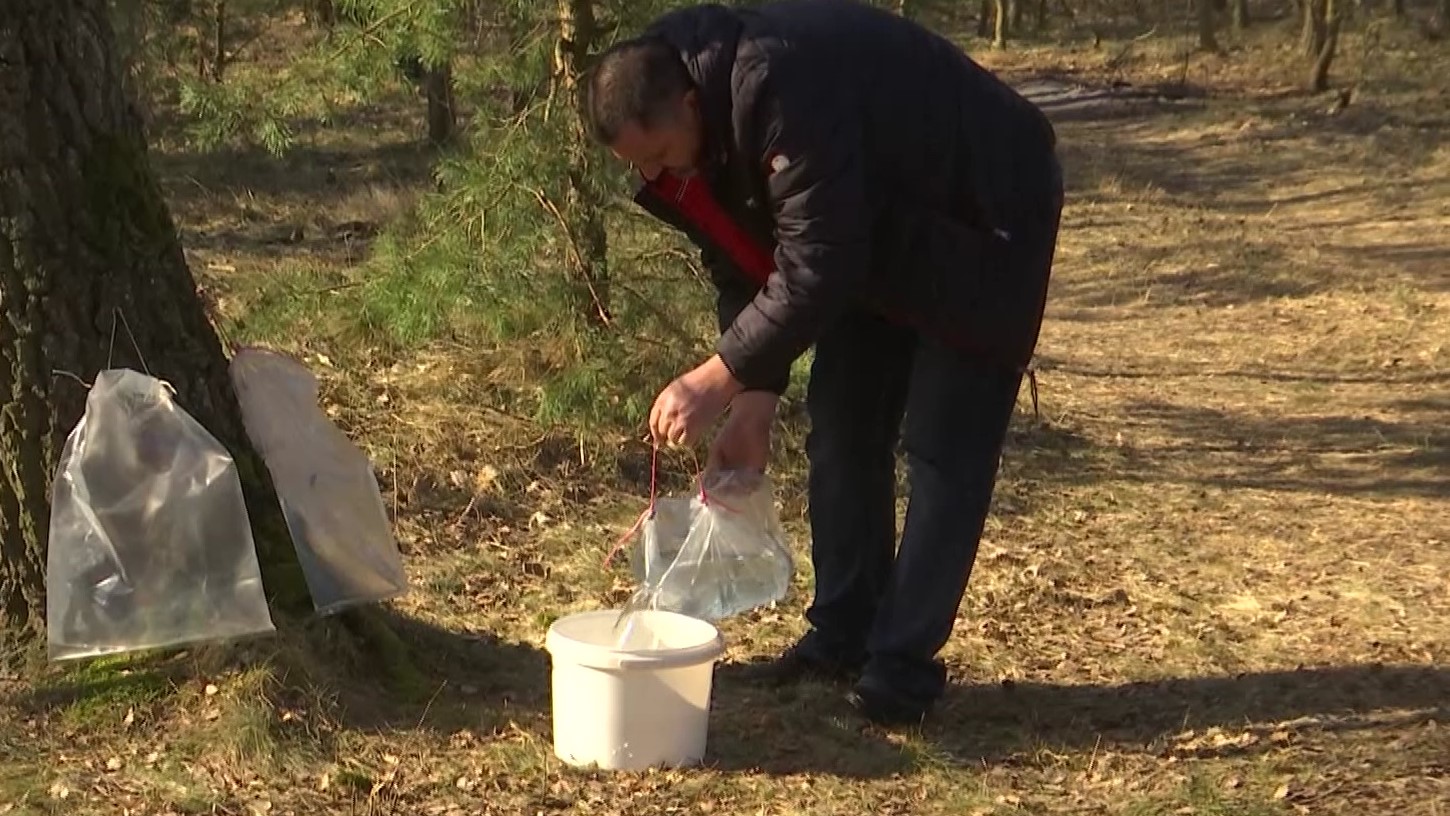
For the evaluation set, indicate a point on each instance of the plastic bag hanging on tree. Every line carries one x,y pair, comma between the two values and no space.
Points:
150,544
714,555
326,486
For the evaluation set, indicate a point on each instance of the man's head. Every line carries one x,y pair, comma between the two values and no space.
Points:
643,105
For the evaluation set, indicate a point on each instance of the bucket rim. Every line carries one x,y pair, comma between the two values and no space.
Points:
582,653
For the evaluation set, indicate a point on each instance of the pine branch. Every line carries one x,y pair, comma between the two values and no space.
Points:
573,243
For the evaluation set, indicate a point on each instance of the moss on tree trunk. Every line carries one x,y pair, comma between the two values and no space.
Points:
85,239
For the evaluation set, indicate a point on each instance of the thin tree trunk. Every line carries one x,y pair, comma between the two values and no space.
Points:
581,216
219,49
1207,36
999,34
1313,35
1442,13
1017,16
903,7
984,20
1240,9
320,13
85,235
1319,76
1041,22
442,116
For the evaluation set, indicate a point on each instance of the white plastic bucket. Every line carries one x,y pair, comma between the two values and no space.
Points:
634,702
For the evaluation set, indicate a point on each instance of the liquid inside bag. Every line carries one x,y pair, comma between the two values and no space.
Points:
329,495
715,555
150,545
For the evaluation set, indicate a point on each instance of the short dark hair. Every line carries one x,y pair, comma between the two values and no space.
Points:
639,81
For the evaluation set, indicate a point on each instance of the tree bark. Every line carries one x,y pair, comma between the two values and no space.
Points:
1314,28
85,237
581,216
1240,19
984,20
219,45
999,33
442,115
1319,75
1207,36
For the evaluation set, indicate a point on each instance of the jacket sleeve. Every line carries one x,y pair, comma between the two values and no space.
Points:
809,148
732,295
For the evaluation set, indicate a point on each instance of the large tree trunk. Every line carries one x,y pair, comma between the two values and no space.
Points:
85,236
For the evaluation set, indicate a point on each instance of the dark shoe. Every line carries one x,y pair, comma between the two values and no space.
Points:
795,666
884,708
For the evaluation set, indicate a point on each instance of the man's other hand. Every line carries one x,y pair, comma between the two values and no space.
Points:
743,443
692,403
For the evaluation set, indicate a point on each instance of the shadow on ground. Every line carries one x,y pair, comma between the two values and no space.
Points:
991,723
490,686
1336,454
809,729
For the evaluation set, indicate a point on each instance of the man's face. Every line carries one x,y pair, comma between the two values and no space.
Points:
673,144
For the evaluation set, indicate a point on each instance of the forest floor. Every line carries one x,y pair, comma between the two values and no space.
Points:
1216,579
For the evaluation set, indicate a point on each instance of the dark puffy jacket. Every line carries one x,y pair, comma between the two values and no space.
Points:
871,163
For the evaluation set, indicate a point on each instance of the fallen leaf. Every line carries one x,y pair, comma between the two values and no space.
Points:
1234,782
113,764
211,690
211,714
129,718
1282,793
485,478
1244,603
324,782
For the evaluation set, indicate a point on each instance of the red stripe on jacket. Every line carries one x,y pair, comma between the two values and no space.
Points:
691,196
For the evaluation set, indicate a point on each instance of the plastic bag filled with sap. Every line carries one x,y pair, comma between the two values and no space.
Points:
716,554
150,544
329,495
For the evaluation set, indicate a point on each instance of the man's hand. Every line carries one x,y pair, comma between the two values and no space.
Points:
693,402
744,441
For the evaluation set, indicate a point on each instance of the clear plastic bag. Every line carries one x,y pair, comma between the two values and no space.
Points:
329,495
716,554
150,544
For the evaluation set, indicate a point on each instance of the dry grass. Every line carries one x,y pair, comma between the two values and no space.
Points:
1215,581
